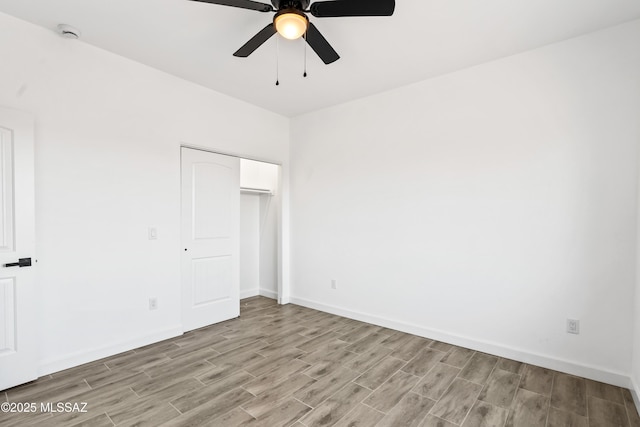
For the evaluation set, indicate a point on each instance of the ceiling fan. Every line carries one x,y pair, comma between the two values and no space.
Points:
291,20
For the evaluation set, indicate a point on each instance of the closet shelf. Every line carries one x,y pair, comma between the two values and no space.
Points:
255,190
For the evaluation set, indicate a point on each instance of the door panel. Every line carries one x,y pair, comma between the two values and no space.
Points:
212,184
6,191
210,237
7,316
212,279
18,332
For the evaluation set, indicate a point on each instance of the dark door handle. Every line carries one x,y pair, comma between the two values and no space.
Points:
22,262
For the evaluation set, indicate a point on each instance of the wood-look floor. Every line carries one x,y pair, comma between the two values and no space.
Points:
292,366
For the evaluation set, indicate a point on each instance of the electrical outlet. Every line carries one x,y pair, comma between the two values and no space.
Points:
573,326
153,233
333,284
153,303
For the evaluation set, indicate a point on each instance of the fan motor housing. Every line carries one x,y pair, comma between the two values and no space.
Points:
290,4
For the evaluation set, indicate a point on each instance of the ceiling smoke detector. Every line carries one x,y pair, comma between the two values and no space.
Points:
68,32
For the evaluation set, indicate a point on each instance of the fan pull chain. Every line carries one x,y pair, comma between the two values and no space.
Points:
277,62
305,55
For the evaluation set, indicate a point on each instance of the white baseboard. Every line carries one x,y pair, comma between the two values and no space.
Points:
258,291
269,294
592,372
249,293
79,358
285,301
635,392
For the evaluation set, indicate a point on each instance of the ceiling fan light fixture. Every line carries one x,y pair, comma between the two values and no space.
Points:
291,23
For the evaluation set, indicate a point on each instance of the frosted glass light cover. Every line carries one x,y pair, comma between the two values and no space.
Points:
291,25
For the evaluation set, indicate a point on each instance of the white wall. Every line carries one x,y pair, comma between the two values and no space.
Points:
249,245
483,207
269,259
108,132
259,175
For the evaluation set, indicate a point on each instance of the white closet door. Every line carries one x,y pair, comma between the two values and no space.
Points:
210,238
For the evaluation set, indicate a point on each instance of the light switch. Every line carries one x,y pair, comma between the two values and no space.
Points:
153,233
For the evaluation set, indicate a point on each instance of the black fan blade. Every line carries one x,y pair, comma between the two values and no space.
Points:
243,4
256,41
330,9
320,45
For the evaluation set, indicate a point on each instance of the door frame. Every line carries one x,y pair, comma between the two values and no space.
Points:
282,212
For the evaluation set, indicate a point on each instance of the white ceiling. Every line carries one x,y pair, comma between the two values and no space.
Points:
424,38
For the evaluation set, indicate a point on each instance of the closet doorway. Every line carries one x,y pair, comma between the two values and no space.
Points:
259,218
